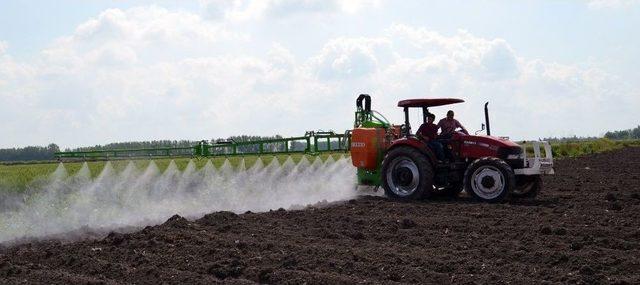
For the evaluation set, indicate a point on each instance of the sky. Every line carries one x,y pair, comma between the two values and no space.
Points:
80,73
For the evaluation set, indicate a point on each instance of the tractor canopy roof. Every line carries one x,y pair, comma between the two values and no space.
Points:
428,102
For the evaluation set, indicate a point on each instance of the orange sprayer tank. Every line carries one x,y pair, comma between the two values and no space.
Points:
367,145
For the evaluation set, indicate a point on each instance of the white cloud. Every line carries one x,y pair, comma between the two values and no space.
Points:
150,73
478,57
345,58
14,77
281,57
500,61
121,77
152,29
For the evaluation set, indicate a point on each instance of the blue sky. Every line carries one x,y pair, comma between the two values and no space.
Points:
93,72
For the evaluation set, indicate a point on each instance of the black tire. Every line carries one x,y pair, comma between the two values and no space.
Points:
527,186
407,174
489,179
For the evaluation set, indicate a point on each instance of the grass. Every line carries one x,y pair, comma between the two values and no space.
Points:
584,147
17,177
580,148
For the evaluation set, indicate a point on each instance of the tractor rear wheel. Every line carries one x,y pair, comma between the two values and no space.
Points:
407,174
527,187
489,179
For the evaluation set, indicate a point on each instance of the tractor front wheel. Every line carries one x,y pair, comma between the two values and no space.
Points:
489,179
407,174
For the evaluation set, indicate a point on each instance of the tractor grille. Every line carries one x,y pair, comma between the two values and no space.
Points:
512,155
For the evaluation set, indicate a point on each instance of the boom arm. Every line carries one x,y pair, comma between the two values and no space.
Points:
313,142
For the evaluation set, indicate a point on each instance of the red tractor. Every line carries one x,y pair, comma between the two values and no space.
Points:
488,168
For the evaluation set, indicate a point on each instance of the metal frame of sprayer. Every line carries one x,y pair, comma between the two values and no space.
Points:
313,145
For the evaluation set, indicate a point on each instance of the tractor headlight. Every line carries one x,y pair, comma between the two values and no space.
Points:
516,156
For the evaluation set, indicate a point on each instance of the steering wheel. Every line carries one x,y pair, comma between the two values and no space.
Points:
404,129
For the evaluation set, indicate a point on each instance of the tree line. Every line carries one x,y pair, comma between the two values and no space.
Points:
630,134
29,153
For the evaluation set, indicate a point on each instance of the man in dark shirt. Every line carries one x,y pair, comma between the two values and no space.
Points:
428,132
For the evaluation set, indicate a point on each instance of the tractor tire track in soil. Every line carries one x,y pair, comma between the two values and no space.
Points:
583,228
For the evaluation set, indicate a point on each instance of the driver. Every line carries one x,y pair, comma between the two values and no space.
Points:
428,132
449,125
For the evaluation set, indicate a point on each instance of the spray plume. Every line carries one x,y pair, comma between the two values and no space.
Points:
140,197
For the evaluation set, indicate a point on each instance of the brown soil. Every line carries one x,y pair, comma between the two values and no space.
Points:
584,228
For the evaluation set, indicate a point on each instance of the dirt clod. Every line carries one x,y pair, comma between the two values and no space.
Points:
546,230
587,270
176,221
615,207
407,224
576,246
610,197
217,218
560,231
115,238
225,269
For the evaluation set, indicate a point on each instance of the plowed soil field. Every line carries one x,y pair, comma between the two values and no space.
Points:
584,228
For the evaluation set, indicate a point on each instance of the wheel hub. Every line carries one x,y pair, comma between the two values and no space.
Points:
404,176
488,182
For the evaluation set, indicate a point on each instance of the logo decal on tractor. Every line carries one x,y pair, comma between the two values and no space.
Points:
492,147
358,144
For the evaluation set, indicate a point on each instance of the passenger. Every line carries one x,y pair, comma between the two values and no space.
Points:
449,125
428,132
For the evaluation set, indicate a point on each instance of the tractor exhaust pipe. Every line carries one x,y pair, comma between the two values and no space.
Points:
367,102
486,118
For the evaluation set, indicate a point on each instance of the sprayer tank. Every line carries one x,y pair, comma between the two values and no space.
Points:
367,145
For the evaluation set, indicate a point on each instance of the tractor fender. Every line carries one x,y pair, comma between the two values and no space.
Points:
417,144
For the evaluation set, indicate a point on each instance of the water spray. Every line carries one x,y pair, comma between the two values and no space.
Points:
65,203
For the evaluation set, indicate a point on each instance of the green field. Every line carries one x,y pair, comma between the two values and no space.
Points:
17,177
580,148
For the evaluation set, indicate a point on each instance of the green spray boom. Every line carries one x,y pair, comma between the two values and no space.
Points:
313,142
